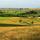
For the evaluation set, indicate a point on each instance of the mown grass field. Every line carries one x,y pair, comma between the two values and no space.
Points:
19,20
20,33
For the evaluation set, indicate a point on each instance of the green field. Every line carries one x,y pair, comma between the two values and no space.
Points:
19,20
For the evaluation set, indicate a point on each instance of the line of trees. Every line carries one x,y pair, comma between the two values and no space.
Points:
26,14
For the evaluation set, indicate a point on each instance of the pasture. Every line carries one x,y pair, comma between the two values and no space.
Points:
19,20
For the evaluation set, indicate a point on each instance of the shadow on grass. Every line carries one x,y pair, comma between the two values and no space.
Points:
11,25
3,25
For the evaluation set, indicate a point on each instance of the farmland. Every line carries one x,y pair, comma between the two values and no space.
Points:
20,33
21,16
19,20
20,24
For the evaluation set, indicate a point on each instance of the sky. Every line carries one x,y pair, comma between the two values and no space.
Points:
19,3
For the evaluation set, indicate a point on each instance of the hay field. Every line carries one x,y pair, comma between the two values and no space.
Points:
19,20
14,20
20,33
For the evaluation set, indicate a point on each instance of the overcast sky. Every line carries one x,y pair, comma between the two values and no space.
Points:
19,3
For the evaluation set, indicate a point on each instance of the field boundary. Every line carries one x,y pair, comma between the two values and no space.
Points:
15,25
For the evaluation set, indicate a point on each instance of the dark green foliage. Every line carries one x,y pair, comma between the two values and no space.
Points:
26,14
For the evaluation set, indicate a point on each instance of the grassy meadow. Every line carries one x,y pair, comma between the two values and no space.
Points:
19,20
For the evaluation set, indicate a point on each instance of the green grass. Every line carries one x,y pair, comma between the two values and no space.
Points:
23,22
4,18
34,19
